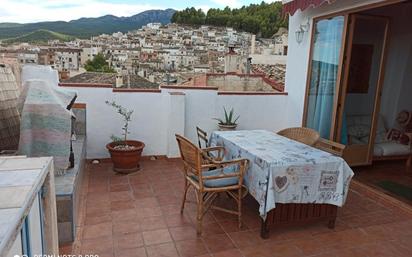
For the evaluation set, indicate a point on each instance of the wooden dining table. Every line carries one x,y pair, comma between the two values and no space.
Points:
291,181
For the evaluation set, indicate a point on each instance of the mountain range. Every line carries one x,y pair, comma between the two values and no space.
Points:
81,28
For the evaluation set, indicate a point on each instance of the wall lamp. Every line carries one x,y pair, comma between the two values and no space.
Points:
300,32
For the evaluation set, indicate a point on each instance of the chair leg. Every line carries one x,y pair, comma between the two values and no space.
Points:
239,207
409,162
184,196
199,213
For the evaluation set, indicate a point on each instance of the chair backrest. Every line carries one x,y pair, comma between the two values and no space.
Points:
330,147
304,135
190,154
202,138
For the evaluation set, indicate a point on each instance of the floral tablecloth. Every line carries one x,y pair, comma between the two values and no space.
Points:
286,171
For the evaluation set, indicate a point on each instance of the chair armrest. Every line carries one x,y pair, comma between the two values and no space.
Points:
241,162
219,164
222,164
220,153
213,148
231,162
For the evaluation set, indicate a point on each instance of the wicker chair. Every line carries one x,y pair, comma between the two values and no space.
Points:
202,139
203,143
330,147
304,135
226,176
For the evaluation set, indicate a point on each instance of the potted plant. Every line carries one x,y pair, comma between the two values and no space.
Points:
125,153
229,121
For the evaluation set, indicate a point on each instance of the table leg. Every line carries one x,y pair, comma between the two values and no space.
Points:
332,219
331,223
264,230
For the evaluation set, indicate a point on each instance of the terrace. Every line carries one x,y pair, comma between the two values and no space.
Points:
111,215
139,215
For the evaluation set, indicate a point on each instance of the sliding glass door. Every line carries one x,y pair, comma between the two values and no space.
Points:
345,79
358,122
324,74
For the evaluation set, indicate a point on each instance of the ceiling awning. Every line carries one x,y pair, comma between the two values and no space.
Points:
290,7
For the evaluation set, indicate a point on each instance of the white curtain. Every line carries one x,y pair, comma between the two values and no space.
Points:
325,65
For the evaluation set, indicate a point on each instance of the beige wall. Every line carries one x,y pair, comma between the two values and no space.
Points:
238,83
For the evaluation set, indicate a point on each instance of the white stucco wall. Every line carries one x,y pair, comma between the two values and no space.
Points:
298,54
158,116
148,120
256,111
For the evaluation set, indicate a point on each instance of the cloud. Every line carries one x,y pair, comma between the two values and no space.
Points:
230,3
24,11
204,8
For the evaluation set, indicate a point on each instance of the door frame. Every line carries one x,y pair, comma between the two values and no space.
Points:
346,12
344,61
378,94
338,75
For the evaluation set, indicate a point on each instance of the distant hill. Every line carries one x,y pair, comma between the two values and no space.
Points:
87,27
40,36
262,19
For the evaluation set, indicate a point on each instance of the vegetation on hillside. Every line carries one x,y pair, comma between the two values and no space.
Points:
262,19
87,27
39,36
98,64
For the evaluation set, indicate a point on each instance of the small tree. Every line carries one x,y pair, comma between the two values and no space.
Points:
98,64
126,114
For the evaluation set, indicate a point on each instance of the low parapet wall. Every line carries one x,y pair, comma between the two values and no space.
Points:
159,115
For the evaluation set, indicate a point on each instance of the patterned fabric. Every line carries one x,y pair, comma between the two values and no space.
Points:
46,123
9,115
285,171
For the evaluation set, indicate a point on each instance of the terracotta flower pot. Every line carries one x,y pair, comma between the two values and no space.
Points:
126,161
227,127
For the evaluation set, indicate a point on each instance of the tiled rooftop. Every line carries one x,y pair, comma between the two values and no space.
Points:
136,81
138,215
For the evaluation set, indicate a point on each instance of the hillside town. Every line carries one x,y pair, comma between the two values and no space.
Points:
169,54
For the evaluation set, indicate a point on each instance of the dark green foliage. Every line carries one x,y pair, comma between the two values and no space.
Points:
189,16
39,36
98,64
262,19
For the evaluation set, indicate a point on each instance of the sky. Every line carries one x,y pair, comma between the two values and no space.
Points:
25,11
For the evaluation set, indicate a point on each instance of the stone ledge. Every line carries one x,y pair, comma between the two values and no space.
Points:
65,184
68,189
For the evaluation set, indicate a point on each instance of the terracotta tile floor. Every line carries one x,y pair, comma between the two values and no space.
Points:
395,171
138,215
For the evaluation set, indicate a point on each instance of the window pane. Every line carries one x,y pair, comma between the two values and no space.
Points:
323,76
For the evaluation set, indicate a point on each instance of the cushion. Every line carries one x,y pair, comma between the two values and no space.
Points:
358,141
221,182
391,149
377,150
359,130
380,137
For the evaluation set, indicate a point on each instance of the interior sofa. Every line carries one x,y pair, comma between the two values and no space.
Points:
358,129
